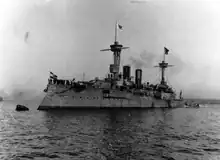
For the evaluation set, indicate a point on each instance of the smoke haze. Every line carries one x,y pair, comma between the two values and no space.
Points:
145,60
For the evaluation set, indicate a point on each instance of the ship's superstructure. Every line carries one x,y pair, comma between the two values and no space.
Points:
116,90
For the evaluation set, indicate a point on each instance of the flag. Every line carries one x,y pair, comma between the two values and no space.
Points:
52,75
166,50
119,26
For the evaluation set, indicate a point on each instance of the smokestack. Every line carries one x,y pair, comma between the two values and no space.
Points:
126,72
138,78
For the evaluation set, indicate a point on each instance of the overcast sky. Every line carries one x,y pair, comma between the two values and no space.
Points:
65,36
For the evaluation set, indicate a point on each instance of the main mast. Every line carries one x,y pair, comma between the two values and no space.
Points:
163,65
116,49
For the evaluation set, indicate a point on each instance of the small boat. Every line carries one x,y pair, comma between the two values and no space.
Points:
21,108
192,105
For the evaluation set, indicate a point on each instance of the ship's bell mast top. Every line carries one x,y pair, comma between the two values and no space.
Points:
163,65
116,49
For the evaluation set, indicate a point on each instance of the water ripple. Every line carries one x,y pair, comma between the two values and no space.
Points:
111,134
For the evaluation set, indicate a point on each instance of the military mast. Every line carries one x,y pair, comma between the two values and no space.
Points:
116,49
163,65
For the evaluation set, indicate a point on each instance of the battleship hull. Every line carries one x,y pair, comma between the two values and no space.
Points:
59,98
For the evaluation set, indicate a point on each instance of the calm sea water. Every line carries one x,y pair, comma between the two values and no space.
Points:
110,134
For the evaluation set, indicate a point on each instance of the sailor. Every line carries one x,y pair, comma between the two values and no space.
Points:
180,94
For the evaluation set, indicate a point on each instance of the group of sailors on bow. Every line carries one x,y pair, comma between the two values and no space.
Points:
54,80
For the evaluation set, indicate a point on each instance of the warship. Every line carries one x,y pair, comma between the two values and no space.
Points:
115,90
